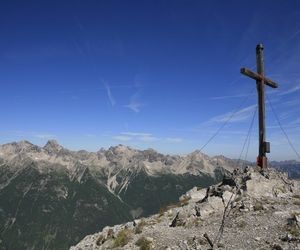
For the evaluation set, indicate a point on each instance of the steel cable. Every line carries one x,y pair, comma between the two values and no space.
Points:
282,129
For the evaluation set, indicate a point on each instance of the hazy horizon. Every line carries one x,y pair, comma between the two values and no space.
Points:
141,148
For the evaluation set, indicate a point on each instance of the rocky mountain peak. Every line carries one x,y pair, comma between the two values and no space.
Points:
197,154
52,146
249,209
24,143
21,144
122,150
221,157
18,147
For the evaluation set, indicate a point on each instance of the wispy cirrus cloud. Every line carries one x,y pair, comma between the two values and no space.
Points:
296,122
145,137
291,103
122,138
174,139
236,116
109,94
229,117
31,134
136,134
148,138
291,90
134,104
45,136
230,96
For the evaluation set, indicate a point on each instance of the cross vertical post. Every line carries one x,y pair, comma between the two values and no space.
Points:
261,159
261,81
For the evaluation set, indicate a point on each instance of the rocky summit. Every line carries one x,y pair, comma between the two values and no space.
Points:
51,197
249,209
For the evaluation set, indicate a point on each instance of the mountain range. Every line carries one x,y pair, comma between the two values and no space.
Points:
292,167
51,197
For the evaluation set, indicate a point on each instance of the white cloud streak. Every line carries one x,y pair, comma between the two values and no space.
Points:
174,139
289,103
134,104
109,94
148,138
145,137
296,122
136,134
122,138
44,136
229,96
291,90
239,116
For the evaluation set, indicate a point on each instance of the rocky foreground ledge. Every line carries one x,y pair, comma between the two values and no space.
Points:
249,210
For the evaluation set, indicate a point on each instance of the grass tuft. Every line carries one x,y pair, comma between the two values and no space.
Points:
241,224
122,238
258,206
140,226
143,243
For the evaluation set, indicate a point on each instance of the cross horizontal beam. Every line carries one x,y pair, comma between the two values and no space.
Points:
258,77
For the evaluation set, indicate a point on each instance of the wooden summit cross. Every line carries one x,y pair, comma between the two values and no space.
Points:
261,80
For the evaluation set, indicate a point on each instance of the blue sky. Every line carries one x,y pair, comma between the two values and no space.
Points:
160,74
